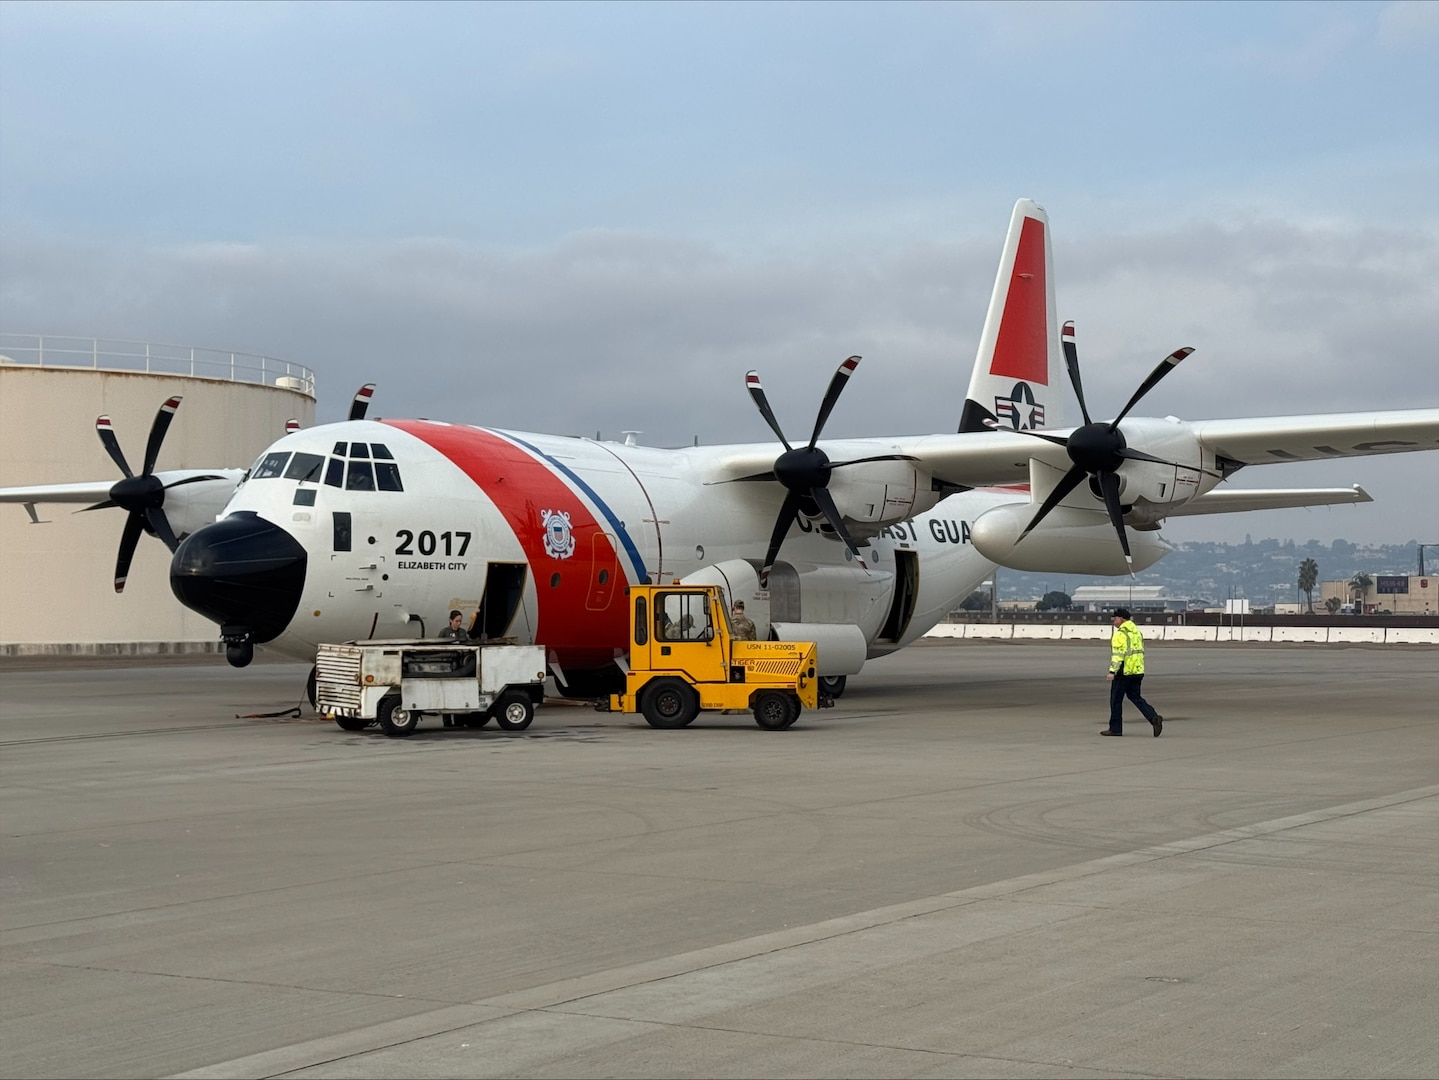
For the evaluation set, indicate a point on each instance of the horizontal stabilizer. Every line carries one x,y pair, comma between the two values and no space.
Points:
1235,500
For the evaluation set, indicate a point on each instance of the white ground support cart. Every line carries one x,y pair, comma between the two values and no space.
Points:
394,683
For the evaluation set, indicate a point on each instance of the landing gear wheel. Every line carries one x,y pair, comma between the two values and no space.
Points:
475,721
669,703
833,685
513,711
312,688
395,721
352,723
775,710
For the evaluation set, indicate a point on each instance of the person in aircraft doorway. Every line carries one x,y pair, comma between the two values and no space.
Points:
456,630
1126,673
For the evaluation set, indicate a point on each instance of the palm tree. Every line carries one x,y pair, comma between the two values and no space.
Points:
1333,604
1359,584
1308,578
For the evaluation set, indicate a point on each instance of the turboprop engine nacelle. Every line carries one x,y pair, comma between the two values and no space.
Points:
1071,541
874,494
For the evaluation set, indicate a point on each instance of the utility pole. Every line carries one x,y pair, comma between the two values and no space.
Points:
1421,556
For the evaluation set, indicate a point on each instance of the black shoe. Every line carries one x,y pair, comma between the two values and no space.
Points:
1106,731
1157,724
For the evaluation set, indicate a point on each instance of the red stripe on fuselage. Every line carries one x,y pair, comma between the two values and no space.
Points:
1021,350
523,488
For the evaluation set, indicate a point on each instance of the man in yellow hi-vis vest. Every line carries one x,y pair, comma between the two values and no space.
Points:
1126,673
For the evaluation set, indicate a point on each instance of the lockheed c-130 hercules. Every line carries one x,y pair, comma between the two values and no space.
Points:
376,528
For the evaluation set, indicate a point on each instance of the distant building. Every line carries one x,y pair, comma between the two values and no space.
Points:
1137,598
1398,594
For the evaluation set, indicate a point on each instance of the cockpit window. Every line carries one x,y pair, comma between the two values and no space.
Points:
271,465
341,449
335,472
360,476
359,449
387,476
305,467
380,450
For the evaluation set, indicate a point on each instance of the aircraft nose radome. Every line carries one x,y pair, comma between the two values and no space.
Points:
244,572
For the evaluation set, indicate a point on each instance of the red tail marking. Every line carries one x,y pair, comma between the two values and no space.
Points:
1021,351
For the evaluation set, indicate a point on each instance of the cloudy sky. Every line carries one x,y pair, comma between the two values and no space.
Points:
594,217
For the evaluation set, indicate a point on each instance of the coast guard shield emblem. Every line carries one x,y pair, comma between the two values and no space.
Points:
559,540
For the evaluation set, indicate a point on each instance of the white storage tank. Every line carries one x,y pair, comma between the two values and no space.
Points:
57,594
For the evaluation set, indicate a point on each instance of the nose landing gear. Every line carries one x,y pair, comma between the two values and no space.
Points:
239,645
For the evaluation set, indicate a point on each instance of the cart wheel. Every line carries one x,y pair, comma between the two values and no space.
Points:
669,703
477,720
833,685
396,721
352,723
774,711
513,711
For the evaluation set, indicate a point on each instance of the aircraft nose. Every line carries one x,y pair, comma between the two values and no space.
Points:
246,574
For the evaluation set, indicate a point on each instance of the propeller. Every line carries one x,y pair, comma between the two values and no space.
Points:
361,403
143,496
805,471
1099,449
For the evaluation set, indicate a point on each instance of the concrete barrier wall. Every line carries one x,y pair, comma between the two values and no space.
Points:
1241,635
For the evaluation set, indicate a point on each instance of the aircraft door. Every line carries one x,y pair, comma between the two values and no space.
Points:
906,591
604,569
499,603
361,567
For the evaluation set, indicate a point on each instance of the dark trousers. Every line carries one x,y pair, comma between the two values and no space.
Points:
1127,686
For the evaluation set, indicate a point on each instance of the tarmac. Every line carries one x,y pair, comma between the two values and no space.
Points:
946,875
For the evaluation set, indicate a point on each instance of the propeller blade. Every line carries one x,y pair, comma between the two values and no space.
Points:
128,539
106,505
361,404
831,514
157,433
1040,435
1109,484
1071,361
1168,364
877,457
111,444
782,523
831,395
160,526
744,479
756,391
194,480
1139,455
1067,483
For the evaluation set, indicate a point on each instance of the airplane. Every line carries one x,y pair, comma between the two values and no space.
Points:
373,528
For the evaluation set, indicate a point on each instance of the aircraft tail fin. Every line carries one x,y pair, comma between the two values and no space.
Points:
1017,380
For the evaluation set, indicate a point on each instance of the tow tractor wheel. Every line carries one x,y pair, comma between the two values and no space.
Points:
396,721
514,710
352,723
669,703
833,685
775,710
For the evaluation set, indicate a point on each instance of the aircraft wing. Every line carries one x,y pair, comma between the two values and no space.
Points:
98,491
989,458
88,492
1268,440
1230,501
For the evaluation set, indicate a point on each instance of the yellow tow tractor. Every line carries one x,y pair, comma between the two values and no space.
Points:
684,659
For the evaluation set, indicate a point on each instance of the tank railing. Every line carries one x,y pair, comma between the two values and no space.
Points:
111,354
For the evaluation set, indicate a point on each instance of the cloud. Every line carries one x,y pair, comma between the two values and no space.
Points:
610,329
1409,24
